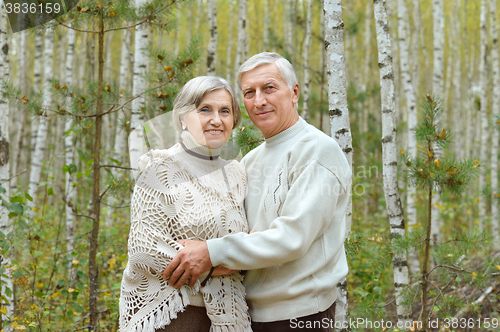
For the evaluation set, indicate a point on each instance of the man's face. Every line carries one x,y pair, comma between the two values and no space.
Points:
268,100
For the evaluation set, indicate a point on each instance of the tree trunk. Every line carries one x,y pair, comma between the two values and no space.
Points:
411,106
495,111
483,112
438,91
339,116
96,195
389,159
5,221
267,19
20,120
121,135
229,41
137,116
458,109
212,44
37,80
240,50
305,56
176,33
70,190
40,145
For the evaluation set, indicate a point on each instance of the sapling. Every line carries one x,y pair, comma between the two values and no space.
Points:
432,173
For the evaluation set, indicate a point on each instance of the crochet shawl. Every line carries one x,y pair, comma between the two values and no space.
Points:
185,192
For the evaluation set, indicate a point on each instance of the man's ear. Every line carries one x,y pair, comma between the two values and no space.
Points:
295,94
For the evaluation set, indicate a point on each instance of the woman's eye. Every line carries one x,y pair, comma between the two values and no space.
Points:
204,109
226,111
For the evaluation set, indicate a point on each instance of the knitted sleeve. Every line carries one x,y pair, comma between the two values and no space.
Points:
303,215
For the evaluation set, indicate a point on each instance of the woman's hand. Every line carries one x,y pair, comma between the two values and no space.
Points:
223,271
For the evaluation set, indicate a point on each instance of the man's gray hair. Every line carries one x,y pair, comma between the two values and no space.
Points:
191,94
284,66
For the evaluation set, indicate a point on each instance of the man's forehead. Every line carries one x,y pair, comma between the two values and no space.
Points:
261,75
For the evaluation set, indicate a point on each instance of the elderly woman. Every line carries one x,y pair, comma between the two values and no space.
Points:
187,192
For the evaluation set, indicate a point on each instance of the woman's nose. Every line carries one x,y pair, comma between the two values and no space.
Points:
216,120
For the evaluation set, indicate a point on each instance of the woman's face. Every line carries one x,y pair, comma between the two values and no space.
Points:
212,121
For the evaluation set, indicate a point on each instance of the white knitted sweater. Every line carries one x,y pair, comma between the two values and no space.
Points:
182,194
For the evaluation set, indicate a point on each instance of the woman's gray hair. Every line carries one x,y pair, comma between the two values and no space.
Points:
284,66
191,94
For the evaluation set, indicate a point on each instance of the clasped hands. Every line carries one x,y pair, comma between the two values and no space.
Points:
191,262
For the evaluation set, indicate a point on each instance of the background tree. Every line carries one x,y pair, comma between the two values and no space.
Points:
389,160
339,115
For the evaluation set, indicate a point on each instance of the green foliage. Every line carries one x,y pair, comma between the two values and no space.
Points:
248,137
428,171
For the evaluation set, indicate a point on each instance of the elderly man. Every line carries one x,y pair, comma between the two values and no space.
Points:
298,192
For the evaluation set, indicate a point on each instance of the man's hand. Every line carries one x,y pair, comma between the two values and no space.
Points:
190,263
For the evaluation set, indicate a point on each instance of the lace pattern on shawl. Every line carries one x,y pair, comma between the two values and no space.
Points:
175,198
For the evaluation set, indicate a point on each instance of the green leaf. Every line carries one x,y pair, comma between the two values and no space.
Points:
65,169
50,192
28,197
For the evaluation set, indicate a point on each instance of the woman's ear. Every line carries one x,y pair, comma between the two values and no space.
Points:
183,125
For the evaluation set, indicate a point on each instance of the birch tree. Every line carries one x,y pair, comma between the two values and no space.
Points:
267,19
483,112
339,116
21,121
389,159
212,44
457,84
40,144
305,57
140,65
408,87
5,221
495,29
69,160
230,41
240,48
437,90
120,145
37,79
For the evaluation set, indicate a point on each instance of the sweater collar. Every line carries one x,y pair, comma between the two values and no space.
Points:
286,134
195,149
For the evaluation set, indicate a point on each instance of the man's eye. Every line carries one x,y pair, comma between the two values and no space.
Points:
270,87
248,94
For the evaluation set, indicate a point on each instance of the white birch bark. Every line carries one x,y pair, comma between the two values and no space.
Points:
438,91
37,80
121,135
40,145
267,19
458,109
339,116
305,57
20,121
5,222
411,108
229,42
240,48
286,26
212,44
483,112
495,111
69,158
438,44
389,158
140,65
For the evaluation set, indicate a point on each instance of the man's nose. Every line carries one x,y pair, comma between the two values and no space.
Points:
260,98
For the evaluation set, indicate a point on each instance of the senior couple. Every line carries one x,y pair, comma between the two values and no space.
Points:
193,264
